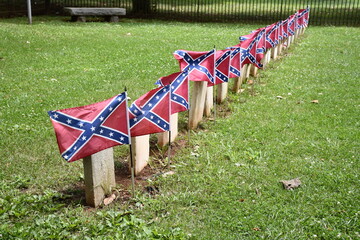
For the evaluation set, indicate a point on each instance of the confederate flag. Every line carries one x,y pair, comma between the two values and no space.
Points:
83,131
199,65
151,112
291,25
270,36
222,66
179,85
248,49
235,61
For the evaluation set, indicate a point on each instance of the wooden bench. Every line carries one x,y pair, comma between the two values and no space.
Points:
110,14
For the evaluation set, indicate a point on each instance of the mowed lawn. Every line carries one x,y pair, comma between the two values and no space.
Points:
226,181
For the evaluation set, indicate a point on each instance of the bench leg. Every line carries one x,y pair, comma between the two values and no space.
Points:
114,19
79,18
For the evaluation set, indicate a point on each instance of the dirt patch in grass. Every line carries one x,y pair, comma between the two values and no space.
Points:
157,167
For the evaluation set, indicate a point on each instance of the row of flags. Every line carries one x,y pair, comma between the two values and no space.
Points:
85,130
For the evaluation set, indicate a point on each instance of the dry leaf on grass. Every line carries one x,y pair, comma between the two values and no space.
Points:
315,101
291,184
279,97
109,200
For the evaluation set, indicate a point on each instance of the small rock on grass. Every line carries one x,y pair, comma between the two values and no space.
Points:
168,173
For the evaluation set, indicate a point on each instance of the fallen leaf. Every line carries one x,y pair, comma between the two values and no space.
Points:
250,82
241,200
315,101
256,229
279,97
291,184
109,200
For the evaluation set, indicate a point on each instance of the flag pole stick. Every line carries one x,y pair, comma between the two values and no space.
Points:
214,100
189,100
169,150
131,154
132,173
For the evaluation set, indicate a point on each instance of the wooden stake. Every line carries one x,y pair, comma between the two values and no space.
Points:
197,103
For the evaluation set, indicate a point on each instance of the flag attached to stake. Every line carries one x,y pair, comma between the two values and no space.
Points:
260,45
303,17
291,25
235,64
199,65
271,36
151,112
222,66
248,49
285,28
179,85
83,131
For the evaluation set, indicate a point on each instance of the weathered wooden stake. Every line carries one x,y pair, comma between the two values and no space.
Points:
274,52
237,84
248,69
163,137
240,80
253,70
140,152
288,42
197,103
292,38
222,90
279,48
268,56
99,175
209,101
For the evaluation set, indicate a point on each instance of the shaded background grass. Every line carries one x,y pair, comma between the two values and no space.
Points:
229,189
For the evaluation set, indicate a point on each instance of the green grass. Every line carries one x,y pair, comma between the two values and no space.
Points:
231,190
